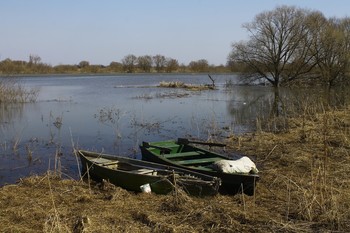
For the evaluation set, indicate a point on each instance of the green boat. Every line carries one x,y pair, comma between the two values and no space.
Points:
183,154
135,175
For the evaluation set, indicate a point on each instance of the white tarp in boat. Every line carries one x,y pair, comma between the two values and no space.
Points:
241,165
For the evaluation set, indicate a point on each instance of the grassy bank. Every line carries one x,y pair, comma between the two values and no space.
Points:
304,187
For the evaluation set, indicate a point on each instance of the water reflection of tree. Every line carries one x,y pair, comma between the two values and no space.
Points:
249,104
246,103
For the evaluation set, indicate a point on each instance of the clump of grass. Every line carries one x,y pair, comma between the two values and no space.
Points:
174,84
11,91
29,153
178,84
54,223
16,143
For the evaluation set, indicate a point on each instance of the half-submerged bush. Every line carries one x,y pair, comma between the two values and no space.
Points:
11,91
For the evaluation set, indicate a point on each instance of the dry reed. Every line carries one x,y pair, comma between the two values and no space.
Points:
11,91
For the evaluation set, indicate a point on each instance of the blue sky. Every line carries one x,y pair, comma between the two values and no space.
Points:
69,31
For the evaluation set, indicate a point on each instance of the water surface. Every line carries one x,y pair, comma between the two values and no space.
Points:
115,114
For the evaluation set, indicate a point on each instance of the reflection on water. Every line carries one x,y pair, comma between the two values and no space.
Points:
115,114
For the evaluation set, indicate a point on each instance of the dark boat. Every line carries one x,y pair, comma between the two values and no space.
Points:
131,174
183,154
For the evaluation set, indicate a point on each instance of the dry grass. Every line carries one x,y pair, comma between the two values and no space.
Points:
192,87
11,91
304,187
49,204
304,169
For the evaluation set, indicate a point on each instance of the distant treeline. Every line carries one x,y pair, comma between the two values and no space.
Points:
285,46
129,64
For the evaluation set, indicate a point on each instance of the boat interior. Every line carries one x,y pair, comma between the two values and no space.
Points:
125,166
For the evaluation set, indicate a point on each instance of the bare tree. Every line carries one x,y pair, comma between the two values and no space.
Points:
34,59
333,50
145,63
201,65
83,64
159,62
171,65
129,63
115,66
279,48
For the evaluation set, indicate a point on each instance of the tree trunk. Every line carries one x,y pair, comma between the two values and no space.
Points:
275,111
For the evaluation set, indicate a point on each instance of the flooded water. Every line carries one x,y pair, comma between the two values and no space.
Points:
115,114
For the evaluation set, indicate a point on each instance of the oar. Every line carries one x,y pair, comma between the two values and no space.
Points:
185,141
162,149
